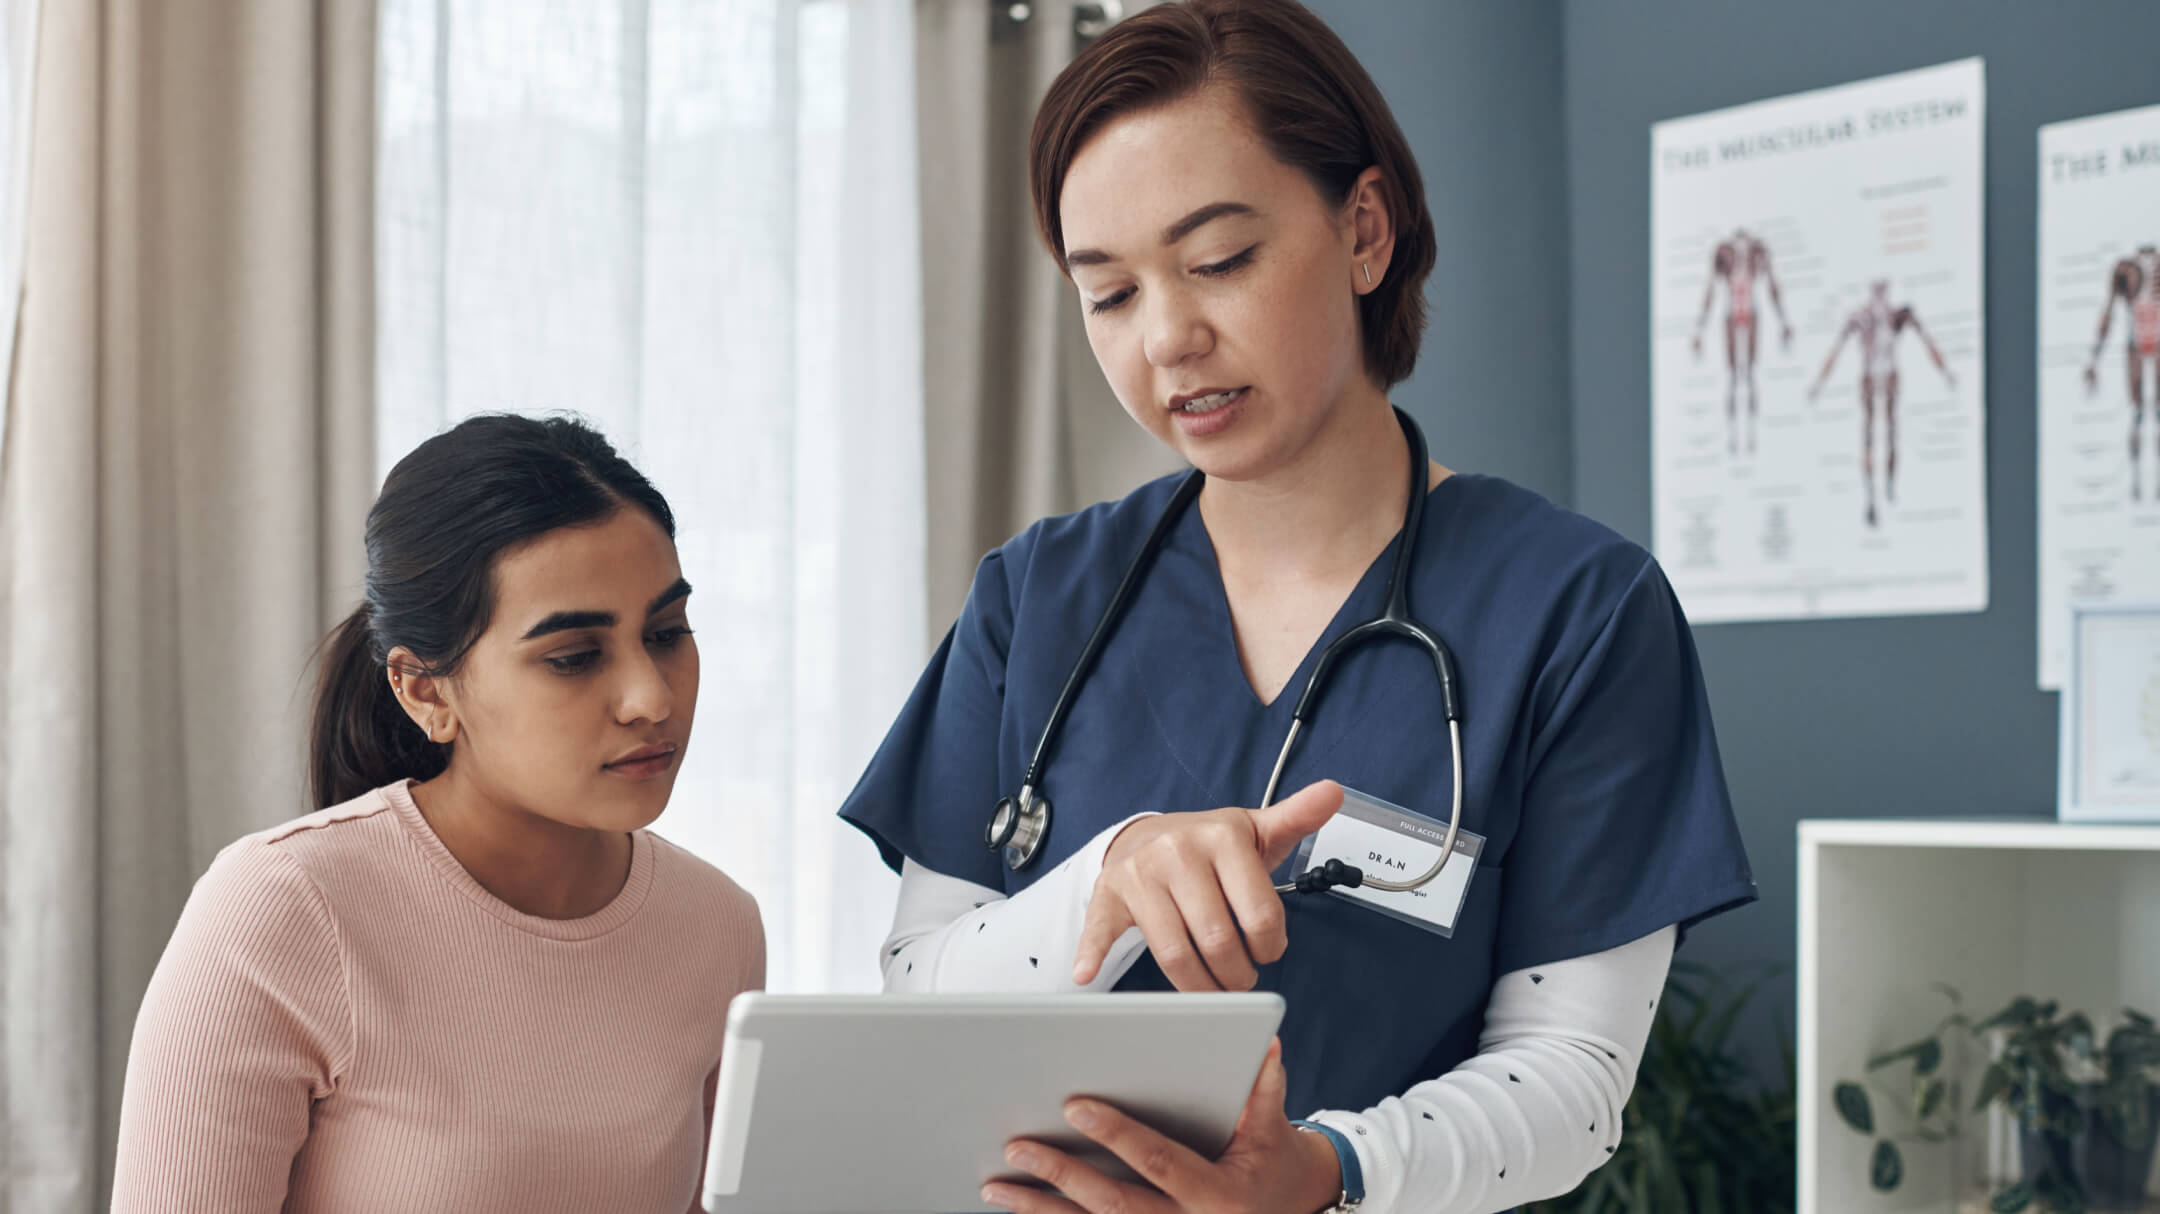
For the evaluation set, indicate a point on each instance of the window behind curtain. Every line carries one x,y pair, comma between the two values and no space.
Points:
694,223
18,59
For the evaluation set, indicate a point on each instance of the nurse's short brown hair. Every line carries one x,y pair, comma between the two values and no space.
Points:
1308,99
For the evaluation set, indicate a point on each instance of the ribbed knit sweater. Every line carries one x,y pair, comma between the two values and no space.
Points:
345,1020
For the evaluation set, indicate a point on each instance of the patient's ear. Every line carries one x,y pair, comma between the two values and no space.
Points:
422,696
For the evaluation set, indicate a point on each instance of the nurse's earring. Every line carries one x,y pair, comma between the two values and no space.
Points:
1367,267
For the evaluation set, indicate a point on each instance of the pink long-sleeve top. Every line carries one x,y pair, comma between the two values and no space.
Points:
345,1020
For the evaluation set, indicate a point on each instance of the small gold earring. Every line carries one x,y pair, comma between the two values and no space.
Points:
1368,273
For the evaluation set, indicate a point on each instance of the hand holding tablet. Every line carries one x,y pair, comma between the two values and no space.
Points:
881,1104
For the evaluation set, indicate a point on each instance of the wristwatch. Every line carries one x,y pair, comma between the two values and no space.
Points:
1353,1176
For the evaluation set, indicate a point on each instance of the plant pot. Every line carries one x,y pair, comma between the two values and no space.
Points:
2111,1173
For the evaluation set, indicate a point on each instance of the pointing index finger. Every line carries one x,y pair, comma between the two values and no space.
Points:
1107,919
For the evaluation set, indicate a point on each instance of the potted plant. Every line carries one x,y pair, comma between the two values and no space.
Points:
1700,1133
2088,1111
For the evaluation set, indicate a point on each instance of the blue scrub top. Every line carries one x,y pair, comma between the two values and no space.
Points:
1591,766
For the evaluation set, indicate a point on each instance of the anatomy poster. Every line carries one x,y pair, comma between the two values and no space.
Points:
2099,369
1817,419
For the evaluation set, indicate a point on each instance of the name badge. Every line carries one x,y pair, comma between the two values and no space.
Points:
1393,844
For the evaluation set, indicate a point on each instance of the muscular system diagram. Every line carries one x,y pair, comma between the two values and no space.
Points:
1876,325
2135,283
1738,261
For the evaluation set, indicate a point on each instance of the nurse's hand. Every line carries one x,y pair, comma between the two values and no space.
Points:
1270,1167
1197,885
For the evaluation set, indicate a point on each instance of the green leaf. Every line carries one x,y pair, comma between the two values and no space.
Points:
1887,1168
2077,1034
1852,1105
1994,1083
1926,1055
1931,1099
2012,1199
2021,1011
1931,1056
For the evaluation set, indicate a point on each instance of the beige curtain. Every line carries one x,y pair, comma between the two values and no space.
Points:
1018,420
189,464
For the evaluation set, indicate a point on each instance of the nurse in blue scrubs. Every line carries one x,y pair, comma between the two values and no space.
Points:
1247,233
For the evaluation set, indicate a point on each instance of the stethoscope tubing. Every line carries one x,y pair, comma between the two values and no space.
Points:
1187,490
1447,845
1021,823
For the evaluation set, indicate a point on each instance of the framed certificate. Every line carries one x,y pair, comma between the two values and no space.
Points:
2111,716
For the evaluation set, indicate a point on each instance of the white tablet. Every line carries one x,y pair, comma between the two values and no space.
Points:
903,1104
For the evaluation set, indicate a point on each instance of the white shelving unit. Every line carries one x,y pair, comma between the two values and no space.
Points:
1994,908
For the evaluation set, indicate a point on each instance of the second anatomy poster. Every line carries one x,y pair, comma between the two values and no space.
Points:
1818,431
2099,369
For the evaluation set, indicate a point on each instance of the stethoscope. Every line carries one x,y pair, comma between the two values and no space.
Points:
1020,824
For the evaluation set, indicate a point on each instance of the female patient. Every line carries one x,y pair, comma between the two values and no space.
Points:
473,982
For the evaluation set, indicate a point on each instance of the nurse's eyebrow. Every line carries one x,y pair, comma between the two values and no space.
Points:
566,621
1170,235
1212,211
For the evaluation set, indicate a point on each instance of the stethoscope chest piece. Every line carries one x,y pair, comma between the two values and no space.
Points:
1018,827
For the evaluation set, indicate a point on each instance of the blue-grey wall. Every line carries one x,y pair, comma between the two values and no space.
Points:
1531,121
1476,86
1920,716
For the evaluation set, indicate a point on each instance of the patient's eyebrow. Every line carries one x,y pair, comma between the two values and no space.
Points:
567,621
680,590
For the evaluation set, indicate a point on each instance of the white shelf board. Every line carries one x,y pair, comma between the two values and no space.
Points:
2021,834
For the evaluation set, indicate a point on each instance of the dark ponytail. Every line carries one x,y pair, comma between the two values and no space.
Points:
361,734
445,513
